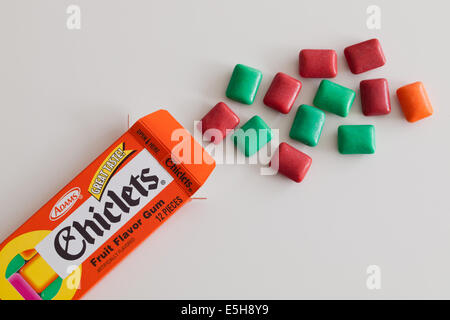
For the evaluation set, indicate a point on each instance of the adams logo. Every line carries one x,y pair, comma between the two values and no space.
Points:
65,203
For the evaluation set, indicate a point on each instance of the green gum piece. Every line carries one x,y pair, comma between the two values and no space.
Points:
244,84
308,125
334,98
252,136
14,266
356,139
52,290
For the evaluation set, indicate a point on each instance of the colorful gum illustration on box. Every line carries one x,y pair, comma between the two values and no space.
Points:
113,205
31,276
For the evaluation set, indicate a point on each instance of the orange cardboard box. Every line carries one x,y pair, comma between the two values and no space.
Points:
89,226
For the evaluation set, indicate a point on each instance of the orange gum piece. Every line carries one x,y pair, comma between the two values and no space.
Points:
414,101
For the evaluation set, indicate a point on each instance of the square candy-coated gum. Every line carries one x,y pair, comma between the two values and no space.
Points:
244,84
414,102
282,92
38,273
375,99
356,139
365,56
291,162
334,98
318,63
308,125
252,136
220,118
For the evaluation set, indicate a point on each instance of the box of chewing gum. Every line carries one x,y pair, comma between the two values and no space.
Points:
97,219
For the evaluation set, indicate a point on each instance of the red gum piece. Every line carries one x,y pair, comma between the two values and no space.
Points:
282,92
220,117
292,163
375,98
318,63
365,56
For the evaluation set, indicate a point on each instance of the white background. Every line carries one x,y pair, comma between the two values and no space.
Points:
66,95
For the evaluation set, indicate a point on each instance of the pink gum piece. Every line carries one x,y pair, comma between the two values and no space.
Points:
22,287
